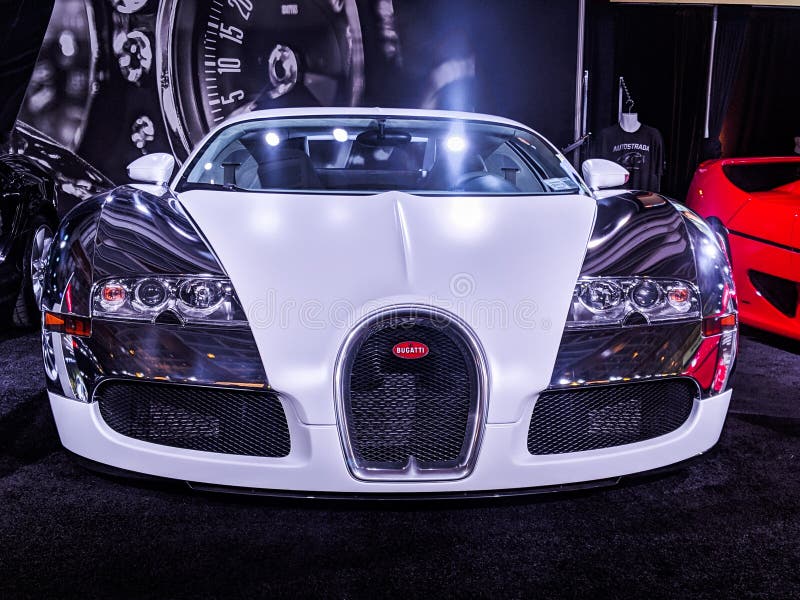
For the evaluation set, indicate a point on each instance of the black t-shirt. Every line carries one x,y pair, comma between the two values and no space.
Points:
640,152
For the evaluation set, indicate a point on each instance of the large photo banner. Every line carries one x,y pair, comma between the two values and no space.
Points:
117,79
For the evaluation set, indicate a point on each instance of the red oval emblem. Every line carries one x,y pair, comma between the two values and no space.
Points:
410,350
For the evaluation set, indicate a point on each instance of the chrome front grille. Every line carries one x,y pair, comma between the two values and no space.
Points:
417,418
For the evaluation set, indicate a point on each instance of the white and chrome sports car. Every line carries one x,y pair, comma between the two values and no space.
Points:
375,302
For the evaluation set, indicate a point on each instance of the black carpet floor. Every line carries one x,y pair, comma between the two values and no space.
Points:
727,526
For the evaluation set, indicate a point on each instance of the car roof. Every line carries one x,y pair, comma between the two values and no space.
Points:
334,111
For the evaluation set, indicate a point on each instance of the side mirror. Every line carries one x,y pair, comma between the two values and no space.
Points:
600,173
152,168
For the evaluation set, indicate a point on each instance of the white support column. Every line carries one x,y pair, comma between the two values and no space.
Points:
579,68
711,67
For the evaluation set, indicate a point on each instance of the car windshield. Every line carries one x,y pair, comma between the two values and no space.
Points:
372,155
762,177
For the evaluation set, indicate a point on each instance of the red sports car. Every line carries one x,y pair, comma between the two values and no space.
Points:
753,205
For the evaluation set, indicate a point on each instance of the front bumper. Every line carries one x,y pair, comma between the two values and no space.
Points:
317,460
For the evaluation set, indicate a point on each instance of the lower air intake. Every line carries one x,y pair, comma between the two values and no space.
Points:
241,422
575,420
411,417
781,293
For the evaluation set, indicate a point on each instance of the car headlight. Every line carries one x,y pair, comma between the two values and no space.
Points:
619,301
188,298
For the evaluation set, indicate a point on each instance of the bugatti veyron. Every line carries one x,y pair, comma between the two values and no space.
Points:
357,301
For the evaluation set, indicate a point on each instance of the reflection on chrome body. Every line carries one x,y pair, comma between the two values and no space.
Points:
641,233
714,275
638,233
212,356
132,233
603,356
144,234
136,232
70,260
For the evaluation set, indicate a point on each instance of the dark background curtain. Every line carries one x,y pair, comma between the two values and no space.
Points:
764,113
662,51
683,135
526,53
731,30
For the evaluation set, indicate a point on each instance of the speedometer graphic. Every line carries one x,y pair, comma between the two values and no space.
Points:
219,58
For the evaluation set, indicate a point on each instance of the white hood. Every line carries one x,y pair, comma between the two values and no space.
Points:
306,267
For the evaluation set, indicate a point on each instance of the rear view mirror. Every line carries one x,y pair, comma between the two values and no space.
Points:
601,174
383,138
152,168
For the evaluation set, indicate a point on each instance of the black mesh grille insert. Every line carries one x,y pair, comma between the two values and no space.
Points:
425,408
606,416
212,420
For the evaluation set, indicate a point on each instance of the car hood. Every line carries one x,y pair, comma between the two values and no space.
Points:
308,267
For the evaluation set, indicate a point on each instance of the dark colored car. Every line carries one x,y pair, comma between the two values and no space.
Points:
40,181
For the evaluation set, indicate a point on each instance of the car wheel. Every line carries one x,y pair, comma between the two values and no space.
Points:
29,301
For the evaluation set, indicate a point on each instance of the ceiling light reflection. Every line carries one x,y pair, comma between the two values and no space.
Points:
455,143
272,138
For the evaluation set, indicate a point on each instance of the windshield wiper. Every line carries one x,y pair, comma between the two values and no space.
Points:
197,185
